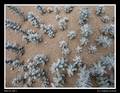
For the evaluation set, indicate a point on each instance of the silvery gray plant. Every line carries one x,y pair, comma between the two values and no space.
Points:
86,30
100,71
105,63
104,41
84,41
33,20
100,10
30,76
40,59
59,66
35,62
58,70
71,34
31,36
18,81
58,17
62,22
78,49
34,72
15,48
39,74
45,82
64,47
57,9
84,78
84,15
108,61
78,61
17,11
92,49
49,29
105,19
68,8
58,80
13,25
16,63
108,30
97,69
72,68
49,9
41,9
105,81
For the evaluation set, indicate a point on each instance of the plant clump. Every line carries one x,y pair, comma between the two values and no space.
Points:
68,8
92,49
57,9
31,36
15,48
58,71
33,73
84,78
104,41
84,15
62,22
71,35
49,29
64,47
41,59
33,20
78,49
100,10
83,41
16,63
13,25
17,11
86,30
100,71
108,30
41,9
72,68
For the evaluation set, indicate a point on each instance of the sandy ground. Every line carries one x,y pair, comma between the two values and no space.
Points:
49,46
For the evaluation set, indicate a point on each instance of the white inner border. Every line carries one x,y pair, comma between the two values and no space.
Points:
60,87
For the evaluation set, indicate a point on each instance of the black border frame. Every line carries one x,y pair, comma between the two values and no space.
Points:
55,2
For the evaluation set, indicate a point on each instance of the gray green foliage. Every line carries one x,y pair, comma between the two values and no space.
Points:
108,30
104,41
68,8
16,63
64,47
32,72
57,9
49,29
83,41
71,34
92,49
62,22
86,30
15,48
84,15
84,78
33,37
13,25
33,20
41,9
17,11
58,71
100,10
40,59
